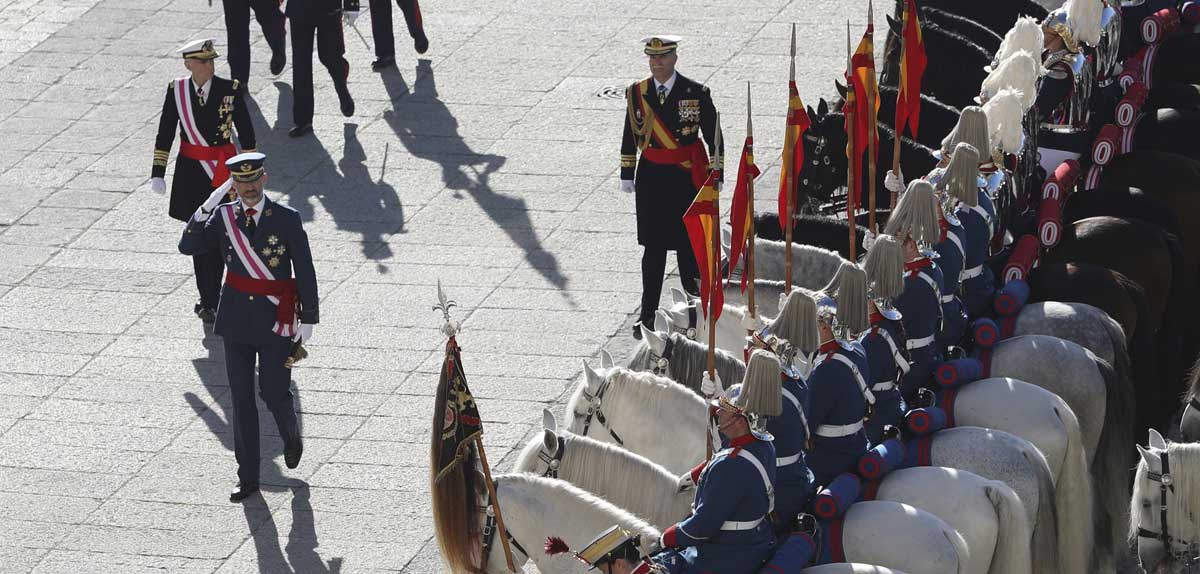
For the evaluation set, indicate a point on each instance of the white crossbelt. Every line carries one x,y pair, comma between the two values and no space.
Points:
921,343
836,431
762,471
884,386
987,217
901,362
862,383
803,421
734,526
948,298
957,243
971,273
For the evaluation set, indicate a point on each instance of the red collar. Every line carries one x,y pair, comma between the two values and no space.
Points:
830,347
742,441
945,227
877,318
918,264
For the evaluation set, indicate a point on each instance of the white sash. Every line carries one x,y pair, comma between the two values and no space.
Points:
254,266
862,383
803,420
957,243
183,105
901,362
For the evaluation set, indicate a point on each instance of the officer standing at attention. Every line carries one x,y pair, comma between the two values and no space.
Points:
385,40
269,299
205,109
237,34
664,117
322,20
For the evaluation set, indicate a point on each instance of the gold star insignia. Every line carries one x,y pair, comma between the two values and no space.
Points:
266,251
272,240
273,262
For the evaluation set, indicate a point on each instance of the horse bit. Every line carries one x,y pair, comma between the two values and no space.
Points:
552,462
1190,554
594,410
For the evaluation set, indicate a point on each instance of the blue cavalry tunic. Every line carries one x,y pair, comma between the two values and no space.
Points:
920,303
837,404
249,324
729,531
883,343
952,254
978,282
792,476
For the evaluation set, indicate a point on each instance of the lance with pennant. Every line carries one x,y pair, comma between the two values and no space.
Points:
791,184
750,210
872,92
850,199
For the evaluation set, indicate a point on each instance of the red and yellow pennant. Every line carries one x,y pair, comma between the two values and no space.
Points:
862,88
702,220
741,211
912,68
798,122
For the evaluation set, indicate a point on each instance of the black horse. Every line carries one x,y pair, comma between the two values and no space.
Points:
825,162
996,15
955,63
937,118
978,33
825,232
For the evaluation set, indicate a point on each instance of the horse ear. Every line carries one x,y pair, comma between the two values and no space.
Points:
548,421
550,442
679,297
1148,457
606,360
726,238
822,107
812,115
840,88
1157,441
658,343
662,321
894,25
592,377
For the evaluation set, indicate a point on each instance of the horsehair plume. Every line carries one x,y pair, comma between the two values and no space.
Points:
556,545
762,387
797,321
915,215
455,496
1005,113
849,288
962,175
971,128
1083,16
1025,35
885,267
1020,71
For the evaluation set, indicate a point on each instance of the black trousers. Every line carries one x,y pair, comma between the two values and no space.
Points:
210,270
381,24
331,50
654,265
274,382
237,30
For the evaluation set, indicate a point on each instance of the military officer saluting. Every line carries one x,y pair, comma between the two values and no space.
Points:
205,110
665,116
269,300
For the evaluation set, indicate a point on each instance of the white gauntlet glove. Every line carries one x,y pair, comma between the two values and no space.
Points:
305,333
158,185
627,185
751,323
685,482
711,388
216,198
868,240
894,182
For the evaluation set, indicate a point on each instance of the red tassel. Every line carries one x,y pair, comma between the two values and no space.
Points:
556,545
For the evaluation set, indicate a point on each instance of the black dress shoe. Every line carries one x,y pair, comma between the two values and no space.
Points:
421,43
346,101
293,452
383,63
243,491
637,330
300,131
278,61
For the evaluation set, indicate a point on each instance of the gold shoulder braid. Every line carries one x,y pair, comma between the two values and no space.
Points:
639,124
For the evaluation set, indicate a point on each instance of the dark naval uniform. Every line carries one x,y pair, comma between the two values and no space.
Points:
920,304
793,478
884,344
978,282
322,20
237,34
206,137
672,168
729,531
381,28
838,399
252,326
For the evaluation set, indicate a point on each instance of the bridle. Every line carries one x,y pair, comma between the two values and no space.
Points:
818,157
594,410
552,462
660,364
489,534
1188,555
690,330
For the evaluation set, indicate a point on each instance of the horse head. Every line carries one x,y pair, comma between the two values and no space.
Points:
681,316
824,159
543,455
1162,518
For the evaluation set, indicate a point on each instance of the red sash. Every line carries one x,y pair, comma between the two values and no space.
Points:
216,154
692,156
283,289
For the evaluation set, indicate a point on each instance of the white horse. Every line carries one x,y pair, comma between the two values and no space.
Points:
1166,484
849,568
686,318
900,536
812,267
1080,323
988,514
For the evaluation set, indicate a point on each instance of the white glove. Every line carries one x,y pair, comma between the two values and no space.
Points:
685,482
751,323
305,333
627,185
894,182
216,198
868,240
158,185
351,16
711,388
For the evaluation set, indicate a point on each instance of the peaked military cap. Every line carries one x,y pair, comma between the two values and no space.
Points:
246,167
199,50
661,44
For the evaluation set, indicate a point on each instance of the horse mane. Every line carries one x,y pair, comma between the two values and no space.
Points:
1185,469
689,359
961,20
600,467
1194,385
543,497
646,393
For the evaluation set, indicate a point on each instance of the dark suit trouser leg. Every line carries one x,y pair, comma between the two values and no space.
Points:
302,72
654,264
271,20
689,271
381,28
239,366
412,17
209,268
237,30
275,387
331,50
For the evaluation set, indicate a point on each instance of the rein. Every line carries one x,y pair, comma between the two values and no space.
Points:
489,534
690,331
595,410
1167,484
552,462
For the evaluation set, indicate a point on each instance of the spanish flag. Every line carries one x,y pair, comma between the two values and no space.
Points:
862,87
798,122
741,211
702,220
912,68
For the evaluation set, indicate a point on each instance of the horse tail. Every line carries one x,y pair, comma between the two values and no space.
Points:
1111,465
1012,554
1045,547
1176,318
454,495
1078,499
1141,349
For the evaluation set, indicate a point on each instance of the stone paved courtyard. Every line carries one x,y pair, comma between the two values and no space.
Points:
489,163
